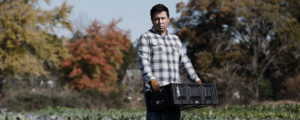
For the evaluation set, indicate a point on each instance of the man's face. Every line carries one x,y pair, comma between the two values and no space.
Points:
160,21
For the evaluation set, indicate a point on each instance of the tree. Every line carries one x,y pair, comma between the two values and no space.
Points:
259,34
97,56
27,43
238,43
286,48
205,26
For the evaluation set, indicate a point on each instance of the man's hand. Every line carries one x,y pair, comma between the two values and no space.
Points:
154,85
199,82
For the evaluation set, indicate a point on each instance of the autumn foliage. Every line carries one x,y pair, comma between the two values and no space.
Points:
246,47
28,47
96,56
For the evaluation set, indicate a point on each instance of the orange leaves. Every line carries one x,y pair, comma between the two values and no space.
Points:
75,72
87,82
96,57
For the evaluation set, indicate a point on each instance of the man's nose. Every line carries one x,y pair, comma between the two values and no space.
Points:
160,21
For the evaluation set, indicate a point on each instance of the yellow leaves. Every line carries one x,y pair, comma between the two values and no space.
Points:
9,44
2,53
179,7
225,9
204,59
24,63
203,4
222,5
186,32
61,15
212,15
25,39
97,69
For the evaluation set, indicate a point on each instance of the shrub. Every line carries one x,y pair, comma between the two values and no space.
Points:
28,100
292,90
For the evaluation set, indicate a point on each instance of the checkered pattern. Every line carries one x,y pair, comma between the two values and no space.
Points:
160,57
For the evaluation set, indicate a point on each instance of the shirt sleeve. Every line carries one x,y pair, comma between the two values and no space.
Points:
144,55
187,66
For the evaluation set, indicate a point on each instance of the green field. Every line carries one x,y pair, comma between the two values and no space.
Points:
286,111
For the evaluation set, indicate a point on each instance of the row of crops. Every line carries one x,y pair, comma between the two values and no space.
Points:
286,111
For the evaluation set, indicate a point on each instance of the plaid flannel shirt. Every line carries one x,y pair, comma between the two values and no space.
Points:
159,57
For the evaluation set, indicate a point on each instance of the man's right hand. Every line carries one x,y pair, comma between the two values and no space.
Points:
154,85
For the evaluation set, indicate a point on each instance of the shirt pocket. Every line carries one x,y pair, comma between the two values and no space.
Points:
158,47
175,49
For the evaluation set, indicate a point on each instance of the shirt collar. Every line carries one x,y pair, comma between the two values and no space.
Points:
153,30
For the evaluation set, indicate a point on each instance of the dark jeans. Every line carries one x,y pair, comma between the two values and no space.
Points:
165,115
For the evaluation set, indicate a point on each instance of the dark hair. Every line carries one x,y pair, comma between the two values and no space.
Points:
159,8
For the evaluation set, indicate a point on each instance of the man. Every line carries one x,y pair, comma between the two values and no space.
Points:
160,54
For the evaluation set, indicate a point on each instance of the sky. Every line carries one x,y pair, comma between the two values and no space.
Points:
135,14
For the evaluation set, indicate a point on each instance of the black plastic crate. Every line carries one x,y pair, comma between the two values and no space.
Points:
182,96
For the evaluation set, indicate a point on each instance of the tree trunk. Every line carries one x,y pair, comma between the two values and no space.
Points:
261,74
257,90
1,83
255,73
